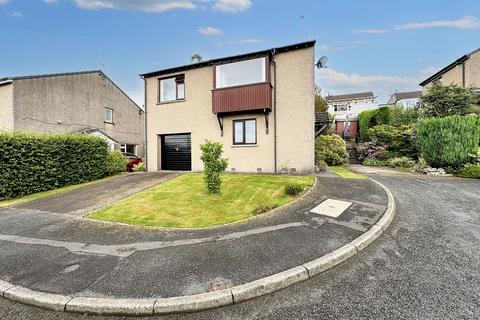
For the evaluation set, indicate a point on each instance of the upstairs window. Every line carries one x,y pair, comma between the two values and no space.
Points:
172,89
245,131
240,73
108,115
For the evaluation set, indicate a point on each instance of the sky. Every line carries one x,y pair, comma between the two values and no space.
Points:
372,45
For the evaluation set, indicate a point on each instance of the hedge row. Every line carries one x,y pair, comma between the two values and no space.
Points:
31,163
449,141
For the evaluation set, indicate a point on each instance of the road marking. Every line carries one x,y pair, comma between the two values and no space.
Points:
125,250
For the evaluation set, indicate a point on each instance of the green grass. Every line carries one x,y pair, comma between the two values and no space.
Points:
43,194
184,202
347,174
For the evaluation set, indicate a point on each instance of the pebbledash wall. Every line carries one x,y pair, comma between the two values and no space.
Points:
70,102
294,119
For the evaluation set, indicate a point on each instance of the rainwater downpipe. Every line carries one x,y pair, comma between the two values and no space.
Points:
274,63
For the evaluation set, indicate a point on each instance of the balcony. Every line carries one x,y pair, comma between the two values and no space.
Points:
252,97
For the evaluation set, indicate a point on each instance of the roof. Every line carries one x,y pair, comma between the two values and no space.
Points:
99,72
350,96
397,96
449,67
202,64
88,130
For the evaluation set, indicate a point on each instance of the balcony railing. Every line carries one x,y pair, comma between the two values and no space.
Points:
253,97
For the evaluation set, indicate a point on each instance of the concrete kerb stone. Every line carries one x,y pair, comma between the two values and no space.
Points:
257,288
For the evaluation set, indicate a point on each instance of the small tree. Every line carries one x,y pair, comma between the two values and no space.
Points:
320,103
196,58
441,101
214,165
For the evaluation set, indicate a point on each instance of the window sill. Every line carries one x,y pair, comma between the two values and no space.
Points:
173,101
244,145
107,122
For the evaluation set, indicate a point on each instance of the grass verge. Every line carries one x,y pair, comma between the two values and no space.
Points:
43,194
184,202
347,174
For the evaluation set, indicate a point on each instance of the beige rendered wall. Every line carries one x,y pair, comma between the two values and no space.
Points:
472,70
72,102
6,107
194,115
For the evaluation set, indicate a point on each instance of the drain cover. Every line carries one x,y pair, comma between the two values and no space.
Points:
332,208
70,268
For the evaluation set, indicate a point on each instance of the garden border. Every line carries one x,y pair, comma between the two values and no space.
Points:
198,302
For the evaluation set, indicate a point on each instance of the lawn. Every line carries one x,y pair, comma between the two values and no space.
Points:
347,174
184,202
43,194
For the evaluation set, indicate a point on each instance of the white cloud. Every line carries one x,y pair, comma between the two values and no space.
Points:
50,1
464,23
2,2
335,82
245,40
351,45
16,14
136,5
209,31
233,5
369,31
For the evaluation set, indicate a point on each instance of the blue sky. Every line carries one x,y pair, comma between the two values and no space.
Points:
371,44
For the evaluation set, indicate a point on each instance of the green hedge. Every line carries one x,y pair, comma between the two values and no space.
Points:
370,118
31,163
449,141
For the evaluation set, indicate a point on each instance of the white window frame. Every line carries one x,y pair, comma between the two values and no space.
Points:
218,72
108,110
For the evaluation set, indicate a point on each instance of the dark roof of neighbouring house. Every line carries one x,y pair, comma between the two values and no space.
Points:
397,96
350,96
49,75
271,51
449,67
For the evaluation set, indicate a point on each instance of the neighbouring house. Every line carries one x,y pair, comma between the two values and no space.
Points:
87,102
464,71
405,99
346,108
259,105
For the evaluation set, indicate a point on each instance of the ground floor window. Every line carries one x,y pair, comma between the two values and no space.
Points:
128,148
245,131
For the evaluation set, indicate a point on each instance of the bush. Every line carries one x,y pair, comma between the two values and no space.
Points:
441,101
116,163
449,141
401,140
214,165
400,162
293,189
371,150
131,163
139,167
402,116
470,171
31,163
332,149
371,118
374,162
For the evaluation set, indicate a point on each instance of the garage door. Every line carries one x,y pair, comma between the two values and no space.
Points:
176,152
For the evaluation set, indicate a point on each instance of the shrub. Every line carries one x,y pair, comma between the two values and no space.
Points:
131,163
332,149
449,141
371,118
402,116
322,165
470,171
293,189
401,140
214,165
139,167
441,101
370,150
400,162
31,163
374,162
116,162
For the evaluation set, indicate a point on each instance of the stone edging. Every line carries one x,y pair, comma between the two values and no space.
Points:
192,303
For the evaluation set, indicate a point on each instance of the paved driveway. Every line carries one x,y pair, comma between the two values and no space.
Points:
424,267
98,195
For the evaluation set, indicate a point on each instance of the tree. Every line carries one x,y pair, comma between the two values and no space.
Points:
320,103
214,165
441,101
196,58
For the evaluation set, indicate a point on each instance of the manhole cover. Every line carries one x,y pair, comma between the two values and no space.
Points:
70,268
332,208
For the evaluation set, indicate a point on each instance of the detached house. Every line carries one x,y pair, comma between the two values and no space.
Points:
260,105
87,102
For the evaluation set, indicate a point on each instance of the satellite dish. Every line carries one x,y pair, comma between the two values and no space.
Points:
322,62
